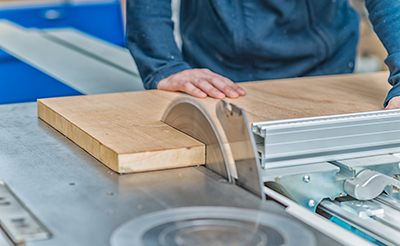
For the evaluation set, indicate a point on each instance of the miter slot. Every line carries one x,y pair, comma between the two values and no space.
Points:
326,138
17,221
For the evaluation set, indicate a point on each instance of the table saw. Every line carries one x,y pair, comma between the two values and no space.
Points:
305,161
78,201
160,168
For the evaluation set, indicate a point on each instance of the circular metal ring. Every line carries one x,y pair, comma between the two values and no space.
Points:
213,226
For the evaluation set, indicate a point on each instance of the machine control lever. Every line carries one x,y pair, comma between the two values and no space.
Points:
368,184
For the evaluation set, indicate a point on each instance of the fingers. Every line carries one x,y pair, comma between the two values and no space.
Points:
225,85
209,89
201,83
193,90
394,103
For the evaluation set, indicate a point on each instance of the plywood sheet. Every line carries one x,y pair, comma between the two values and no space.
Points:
124,131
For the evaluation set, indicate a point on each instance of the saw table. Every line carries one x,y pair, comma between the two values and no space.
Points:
184,187
79,201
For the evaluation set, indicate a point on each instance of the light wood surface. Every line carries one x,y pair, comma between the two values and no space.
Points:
124,131
312,96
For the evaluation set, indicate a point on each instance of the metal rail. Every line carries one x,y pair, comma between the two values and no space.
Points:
327,138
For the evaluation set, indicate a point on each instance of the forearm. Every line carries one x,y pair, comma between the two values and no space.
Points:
151,42
385,16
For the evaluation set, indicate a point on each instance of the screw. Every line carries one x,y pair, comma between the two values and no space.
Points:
311,203
306,179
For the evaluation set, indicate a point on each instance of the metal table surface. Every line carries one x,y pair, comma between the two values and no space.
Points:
80,200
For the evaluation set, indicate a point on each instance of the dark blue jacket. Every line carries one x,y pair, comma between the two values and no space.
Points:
247,40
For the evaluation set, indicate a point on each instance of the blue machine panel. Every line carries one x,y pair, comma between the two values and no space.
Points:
20,82
102,19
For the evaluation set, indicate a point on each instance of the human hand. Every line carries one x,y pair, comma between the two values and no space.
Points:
201,83
394,103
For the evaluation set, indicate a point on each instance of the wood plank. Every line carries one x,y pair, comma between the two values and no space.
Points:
312,96
124,130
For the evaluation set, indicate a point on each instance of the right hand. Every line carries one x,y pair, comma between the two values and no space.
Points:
201,83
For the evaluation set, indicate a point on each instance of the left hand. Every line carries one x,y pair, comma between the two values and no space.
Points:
394,103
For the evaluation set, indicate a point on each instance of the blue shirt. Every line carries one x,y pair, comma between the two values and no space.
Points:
247,40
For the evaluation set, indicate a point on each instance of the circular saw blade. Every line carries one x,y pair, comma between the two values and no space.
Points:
188,115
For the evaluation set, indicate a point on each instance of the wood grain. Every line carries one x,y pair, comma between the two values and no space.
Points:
124,131
311,96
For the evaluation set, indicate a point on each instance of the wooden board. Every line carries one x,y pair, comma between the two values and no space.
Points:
124,131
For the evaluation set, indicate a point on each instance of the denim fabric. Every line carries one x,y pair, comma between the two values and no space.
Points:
247,40
385,16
